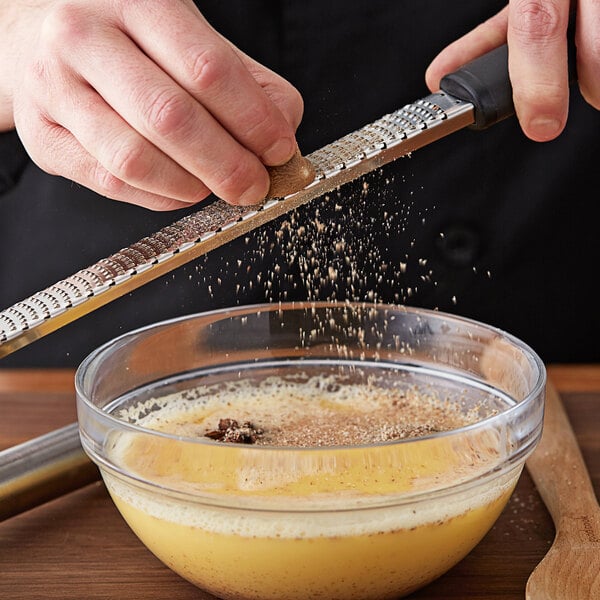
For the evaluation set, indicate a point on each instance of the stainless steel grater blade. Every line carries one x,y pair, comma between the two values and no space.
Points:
215,224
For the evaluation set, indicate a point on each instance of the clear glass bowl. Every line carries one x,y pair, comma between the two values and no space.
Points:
360,520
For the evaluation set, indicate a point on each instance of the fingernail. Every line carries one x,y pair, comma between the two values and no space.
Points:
545,128
280,152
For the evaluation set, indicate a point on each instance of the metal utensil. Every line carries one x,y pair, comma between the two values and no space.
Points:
571,568
43,469
477,95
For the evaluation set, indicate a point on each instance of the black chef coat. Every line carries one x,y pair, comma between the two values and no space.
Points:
485,224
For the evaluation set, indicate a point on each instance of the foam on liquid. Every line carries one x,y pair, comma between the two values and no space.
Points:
289,409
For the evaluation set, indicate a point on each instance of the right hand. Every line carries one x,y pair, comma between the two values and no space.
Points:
536,33
142,101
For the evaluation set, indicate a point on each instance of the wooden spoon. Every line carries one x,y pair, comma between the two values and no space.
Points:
571,568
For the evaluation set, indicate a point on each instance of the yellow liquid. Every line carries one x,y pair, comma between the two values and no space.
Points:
360,554
380,564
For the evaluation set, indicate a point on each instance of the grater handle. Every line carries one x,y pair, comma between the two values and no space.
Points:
484,82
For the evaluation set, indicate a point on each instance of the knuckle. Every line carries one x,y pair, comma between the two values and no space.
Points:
292,105
66,25
207,66
289,101
537,20
169,111
133,9
45,143
232,182
107,183
38,73
258,123
136,4
129,162
295,107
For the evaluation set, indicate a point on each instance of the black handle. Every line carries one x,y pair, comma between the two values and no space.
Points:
484,82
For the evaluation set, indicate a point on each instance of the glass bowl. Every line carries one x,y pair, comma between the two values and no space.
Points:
323,491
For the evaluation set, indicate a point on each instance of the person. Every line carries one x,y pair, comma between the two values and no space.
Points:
120,116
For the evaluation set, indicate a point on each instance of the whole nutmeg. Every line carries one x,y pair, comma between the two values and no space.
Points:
290,177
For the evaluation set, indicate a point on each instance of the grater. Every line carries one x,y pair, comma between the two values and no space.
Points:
477,95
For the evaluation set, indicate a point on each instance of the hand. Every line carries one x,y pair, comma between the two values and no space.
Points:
536,34
142,101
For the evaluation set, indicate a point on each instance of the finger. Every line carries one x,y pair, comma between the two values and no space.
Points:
537,42
282,93
485,37
121,150
212,72
172,120
56,151
156,106
588,51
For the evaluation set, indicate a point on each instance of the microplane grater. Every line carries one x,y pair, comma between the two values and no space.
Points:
217,223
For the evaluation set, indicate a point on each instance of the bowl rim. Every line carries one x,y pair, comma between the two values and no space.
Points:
536,390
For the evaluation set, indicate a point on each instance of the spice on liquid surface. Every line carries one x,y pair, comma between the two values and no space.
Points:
314,411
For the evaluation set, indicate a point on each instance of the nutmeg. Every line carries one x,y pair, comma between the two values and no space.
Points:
290,177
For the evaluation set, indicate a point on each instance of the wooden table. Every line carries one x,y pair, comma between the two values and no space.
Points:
79,547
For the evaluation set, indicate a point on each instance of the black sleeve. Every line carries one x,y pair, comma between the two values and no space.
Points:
13,159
